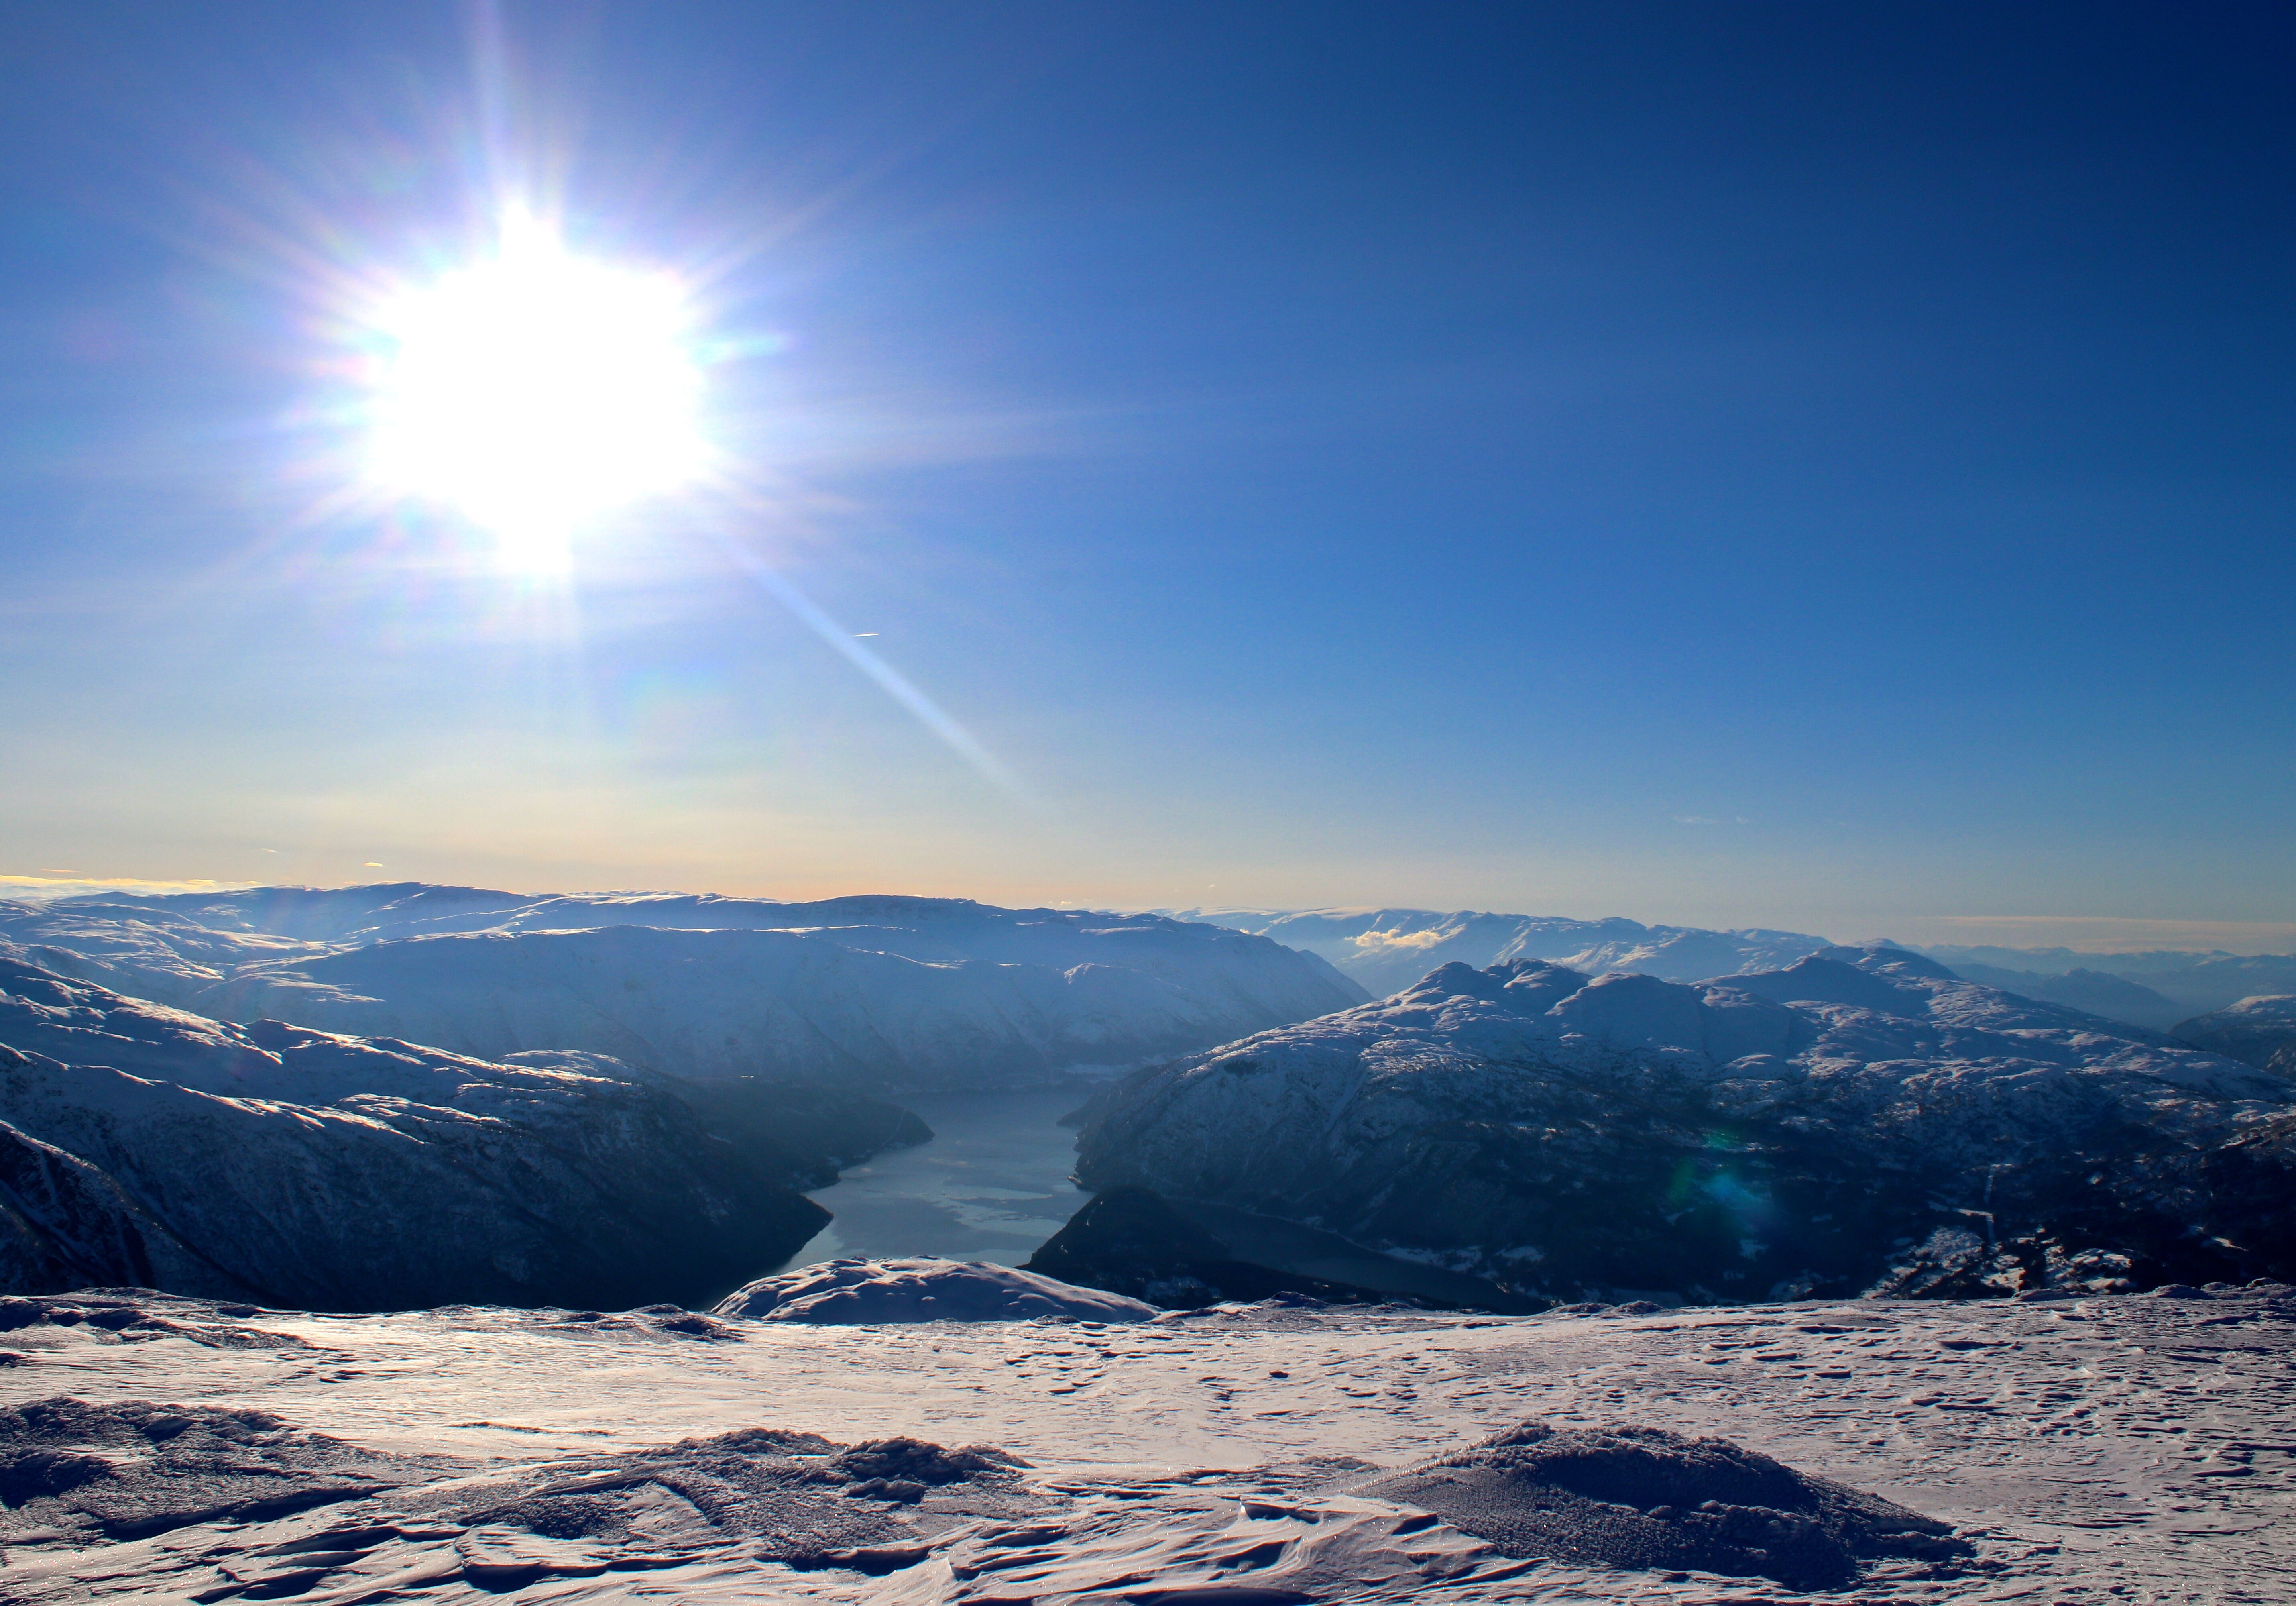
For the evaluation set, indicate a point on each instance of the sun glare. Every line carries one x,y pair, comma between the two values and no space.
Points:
535,391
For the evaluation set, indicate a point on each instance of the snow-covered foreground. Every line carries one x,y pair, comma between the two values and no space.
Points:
2128,1448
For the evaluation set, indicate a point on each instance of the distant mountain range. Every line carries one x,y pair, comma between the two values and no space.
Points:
889,993
2191,983
1387,948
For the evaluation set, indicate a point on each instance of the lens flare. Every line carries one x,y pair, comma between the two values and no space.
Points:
536,390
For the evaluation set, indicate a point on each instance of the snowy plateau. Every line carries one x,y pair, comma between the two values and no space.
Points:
2117,1449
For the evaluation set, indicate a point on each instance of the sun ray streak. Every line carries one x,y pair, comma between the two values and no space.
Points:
895,684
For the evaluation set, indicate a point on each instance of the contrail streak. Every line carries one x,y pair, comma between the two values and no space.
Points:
895,684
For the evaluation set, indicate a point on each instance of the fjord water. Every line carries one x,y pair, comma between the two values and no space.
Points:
992,1185
995,1183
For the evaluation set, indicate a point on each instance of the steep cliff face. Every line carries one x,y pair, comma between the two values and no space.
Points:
890,992
144,1146
1862,1117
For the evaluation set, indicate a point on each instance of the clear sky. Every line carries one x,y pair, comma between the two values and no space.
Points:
1810,466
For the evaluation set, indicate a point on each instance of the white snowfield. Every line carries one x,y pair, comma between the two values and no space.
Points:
1388,949
858,1291
891,992
1535,1123
2130,1449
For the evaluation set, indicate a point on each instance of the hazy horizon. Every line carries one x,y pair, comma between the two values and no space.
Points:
2104,938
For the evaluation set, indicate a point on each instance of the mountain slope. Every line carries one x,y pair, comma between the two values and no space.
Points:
2097,991
2255,1031
1860,1118
141,1146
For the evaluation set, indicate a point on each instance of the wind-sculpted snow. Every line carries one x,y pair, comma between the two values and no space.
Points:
1388,949
1860,1118
855,1291
888,990
144,1146
1881,1453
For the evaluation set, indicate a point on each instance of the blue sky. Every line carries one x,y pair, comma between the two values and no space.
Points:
1800,465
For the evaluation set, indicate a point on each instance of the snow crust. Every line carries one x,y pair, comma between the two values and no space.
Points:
2125,1448
858,1292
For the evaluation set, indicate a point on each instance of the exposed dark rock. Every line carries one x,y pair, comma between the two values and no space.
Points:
1131,1242
1956,1262
1642,1497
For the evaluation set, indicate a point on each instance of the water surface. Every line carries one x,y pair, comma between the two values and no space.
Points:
992,1185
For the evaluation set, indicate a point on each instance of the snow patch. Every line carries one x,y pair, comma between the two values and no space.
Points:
859,1291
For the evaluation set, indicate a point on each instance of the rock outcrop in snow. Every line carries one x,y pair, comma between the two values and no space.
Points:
886,992
1630,1496
1859,1117
145,1146
858,1292
1388,949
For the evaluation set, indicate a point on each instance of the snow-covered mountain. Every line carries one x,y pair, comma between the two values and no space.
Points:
2097,991
1388,949
2194,982
892,991
1860,1118
141,1146
2257,1030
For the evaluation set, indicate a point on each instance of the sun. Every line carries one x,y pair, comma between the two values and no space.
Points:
535,391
